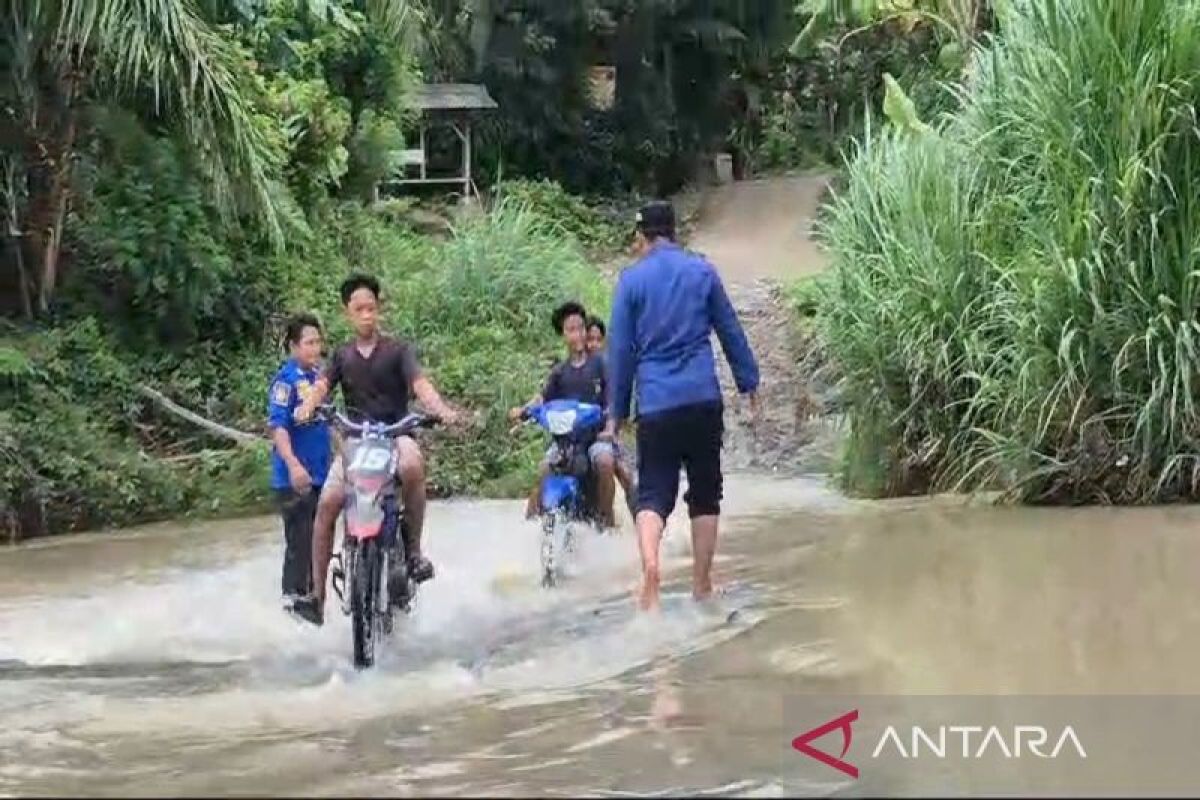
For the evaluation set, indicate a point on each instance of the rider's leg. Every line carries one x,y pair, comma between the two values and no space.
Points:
533,506
658,485
412,486
702,458
603,464
332,499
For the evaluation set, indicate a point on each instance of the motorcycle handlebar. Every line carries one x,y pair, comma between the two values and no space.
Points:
409,424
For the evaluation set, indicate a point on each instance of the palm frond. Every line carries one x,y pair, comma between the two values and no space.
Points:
194,77
400,20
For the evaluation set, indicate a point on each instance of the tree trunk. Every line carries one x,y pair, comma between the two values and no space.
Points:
50,153
20,286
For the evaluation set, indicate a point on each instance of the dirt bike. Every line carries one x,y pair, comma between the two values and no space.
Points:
568,494
370,573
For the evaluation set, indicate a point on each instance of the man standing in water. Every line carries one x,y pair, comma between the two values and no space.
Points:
300,456
665,308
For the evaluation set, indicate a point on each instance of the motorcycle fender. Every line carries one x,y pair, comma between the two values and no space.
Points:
559,490
364,514
360,529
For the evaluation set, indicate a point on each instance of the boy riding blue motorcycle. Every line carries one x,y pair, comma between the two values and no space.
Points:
581,378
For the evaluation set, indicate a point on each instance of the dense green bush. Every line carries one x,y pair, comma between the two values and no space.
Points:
1016,296
814,107
152,257
588,224
70,455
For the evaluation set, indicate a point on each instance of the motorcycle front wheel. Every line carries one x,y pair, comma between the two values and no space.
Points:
365,579
556,544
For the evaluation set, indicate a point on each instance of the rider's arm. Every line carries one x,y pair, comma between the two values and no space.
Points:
320,390
425,392
619,359
423,388
733,339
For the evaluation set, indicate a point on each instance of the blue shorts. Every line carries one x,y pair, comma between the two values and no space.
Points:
689,437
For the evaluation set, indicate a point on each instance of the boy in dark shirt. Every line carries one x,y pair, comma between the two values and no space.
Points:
378,375
597,332
579,377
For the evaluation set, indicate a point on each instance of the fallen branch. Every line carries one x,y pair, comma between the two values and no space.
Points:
241,437
185,457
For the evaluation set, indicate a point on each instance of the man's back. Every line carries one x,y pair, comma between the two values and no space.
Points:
666,309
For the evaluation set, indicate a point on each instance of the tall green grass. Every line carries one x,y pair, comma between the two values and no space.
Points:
1014,301
480,315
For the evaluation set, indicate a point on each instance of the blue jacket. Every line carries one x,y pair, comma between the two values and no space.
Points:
310,441
665,309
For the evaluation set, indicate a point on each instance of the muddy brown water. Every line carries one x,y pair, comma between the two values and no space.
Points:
157,661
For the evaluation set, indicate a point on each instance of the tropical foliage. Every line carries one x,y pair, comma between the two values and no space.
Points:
685,71
1015,297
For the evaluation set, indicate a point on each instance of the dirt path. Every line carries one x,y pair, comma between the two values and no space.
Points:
757,233
760,229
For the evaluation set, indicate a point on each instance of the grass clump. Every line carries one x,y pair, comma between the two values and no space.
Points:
1014,302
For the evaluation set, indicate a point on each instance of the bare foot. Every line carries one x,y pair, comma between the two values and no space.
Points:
648,597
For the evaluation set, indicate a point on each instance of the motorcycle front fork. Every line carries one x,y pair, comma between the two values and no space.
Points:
338,580
397,580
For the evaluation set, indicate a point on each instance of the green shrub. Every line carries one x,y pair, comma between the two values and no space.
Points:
590,226
152,257
1015,297
70,456
480,317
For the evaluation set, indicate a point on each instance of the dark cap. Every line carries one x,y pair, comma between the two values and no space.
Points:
656,219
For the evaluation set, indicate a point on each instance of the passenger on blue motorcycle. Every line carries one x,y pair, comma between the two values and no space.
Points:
579,377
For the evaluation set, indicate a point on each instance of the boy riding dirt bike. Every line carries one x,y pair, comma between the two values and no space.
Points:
373,575
377,374
579,377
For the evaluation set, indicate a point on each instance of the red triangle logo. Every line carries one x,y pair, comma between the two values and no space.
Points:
842,723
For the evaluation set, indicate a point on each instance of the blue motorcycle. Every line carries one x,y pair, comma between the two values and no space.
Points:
568,493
